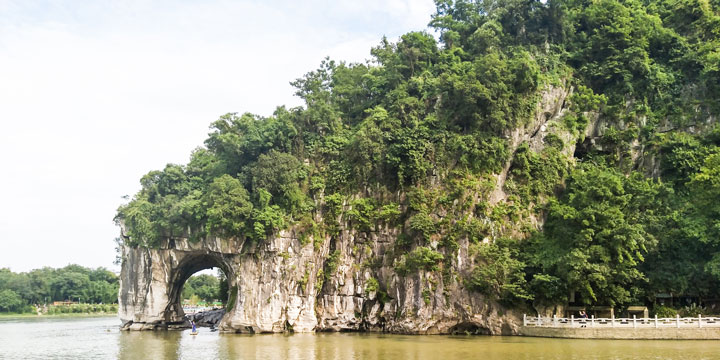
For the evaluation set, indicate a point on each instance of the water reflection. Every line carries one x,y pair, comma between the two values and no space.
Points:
161,345
275,346
375,346
100,339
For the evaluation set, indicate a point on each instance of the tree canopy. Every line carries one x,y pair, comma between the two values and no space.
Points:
71,283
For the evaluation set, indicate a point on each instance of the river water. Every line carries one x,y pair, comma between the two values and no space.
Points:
99,338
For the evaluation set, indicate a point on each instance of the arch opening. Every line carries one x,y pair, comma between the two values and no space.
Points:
201,290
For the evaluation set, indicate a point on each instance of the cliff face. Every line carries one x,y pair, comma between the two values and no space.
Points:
282,287
343,282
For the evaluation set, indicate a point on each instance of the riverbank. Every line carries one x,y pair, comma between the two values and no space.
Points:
65,315
677,328
686,328
623,333
523,331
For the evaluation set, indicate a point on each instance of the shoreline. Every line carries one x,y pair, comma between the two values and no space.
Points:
66,315
621,333
664,334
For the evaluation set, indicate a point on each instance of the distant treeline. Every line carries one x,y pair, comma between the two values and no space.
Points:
204,287
19,292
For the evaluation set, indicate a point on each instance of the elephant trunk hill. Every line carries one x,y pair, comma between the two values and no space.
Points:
528,156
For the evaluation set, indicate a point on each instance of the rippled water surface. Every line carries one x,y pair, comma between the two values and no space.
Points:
99,338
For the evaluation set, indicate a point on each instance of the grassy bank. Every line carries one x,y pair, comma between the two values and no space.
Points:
81,309
67,315
67,310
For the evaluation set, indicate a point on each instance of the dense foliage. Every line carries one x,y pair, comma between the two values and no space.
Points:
422,129
20,291
618,239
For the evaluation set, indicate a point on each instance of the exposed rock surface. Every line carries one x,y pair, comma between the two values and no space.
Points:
209,318
275,293
285,285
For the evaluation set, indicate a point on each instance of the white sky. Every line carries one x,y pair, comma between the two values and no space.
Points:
96,93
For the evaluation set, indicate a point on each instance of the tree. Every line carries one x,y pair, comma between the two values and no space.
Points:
594,239
228,206
71,285
706,192
280,174
10,301
499,274
204,286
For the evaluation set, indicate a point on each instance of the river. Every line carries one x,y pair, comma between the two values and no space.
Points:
99,338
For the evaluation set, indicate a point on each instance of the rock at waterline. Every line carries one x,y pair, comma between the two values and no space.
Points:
209,318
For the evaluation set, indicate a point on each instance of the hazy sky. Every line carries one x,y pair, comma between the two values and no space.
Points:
96,93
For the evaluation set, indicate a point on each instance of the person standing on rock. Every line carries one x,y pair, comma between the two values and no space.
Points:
192,322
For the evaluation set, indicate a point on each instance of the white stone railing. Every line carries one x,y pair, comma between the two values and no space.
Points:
633,322
188,310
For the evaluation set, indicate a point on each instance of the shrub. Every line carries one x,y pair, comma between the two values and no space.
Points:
372,285
423,224
332,263
693,311
389,213
362,212
664,311
422,258
426,294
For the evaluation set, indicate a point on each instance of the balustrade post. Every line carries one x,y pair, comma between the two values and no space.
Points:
699,320
572,320
612,320
524,319
555,321
634,321
656,325
539,322
592,321
677,320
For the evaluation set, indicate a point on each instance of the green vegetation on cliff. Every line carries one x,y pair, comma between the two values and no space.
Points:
415,140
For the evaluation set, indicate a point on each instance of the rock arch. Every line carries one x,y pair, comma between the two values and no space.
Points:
267,292
151,281
185,268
